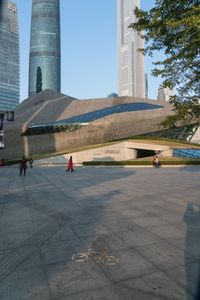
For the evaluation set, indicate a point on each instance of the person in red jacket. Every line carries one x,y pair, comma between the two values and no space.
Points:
1,163
70,165
22,166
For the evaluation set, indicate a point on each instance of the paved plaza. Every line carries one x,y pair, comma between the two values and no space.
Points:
106,233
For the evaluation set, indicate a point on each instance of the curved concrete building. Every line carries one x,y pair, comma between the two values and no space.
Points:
44,63
50,122
131,78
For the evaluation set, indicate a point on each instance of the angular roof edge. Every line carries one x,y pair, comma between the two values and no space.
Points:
46,95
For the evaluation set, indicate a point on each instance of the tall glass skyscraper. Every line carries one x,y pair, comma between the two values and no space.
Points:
44,62
9,56
131,80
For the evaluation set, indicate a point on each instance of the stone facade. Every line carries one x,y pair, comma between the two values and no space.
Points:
50,107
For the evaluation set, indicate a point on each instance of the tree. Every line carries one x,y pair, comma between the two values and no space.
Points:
39,80
174,27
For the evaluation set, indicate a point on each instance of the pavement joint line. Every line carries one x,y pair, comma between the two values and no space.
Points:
17,258
14,260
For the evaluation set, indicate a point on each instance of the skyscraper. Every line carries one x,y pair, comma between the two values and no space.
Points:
9,56
164,93
44,61
131,77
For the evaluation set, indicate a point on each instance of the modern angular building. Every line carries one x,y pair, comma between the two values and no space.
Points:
44,61
49,122
9,56
131,77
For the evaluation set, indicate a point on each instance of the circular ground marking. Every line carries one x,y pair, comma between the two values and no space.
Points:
91,252
109,260
80,257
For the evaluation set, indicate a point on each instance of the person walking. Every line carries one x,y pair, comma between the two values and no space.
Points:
31,162
22,166
70,165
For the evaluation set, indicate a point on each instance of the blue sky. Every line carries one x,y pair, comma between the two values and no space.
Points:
88,48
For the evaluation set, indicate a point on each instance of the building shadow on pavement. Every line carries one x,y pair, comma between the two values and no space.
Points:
192,249
65,224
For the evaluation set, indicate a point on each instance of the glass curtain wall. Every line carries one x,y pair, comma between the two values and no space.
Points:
9,56
44,62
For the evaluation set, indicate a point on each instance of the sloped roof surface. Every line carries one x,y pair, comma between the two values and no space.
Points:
48,106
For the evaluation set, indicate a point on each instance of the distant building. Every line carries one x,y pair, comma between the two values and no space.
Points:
131,77
164,93
113,95
146,87
44,62
9,56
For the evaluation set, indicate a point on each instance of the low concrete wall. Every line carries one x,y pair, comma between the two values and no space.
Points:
115,152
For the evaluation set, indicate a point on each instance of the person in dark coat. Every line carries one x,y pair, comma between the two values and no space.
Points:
31,162
22,166
70,165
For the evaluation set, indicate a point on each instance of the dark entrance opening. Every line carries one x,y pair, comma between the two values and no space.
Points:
144,153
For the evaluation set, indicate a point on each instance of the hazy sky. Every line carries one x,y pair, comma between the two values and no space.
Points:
88,48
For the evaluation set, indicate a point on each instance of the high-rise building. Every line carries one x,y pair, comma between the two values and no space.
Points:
44,61
165,93
146,86
9,56
131,78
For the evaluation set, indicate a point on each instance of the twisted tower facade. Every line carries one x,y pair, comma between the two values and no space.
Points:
45,46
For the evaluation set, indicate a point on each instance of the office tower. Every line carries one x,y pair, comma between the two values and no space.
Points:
9,56
165,93
44,60
131,78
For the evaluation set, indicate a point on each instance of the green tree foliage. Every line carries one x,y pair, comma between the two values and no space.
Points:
174,27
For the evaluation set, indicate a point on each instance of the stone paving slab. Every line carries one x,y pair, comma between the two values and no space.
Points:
66,279
131,265
134,234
